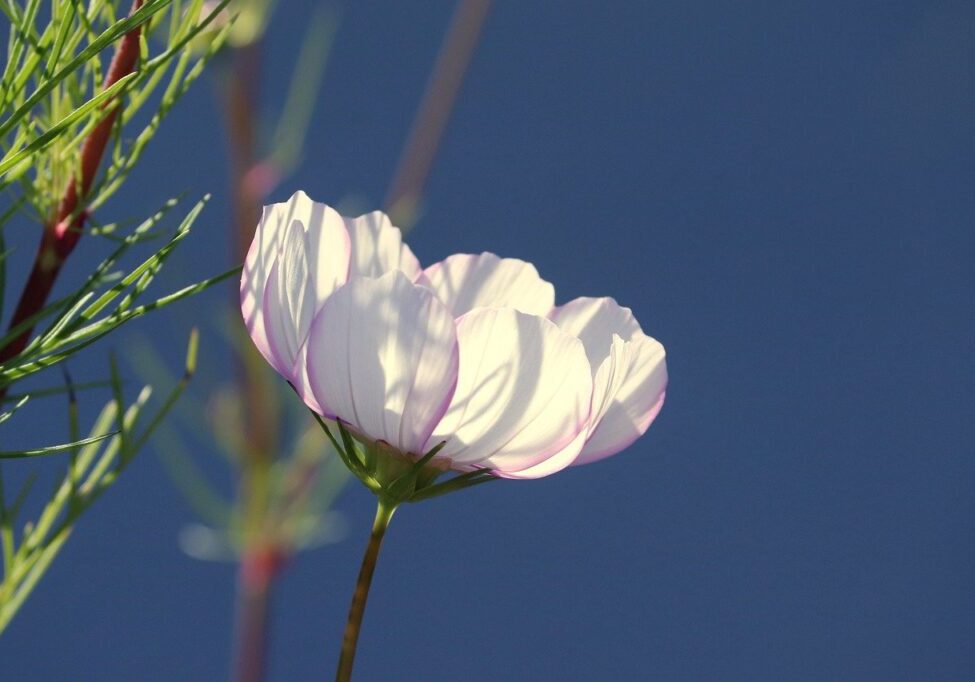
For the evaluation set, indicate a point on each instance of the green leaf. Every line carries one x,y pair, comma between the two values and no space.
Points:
107,37
88,335
42,141
117,396
3,269
55,390
150,265
20,403
53,449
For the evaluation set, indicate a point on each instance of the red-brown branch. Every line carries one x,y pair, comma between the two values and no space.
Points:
434,111
62,233
261,559
259,568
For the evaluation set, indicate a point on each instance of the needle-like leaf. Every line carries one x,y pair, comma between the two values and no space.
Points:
53,449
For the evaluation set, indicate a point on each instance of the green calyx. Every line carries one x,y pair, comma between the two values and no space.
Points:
396,477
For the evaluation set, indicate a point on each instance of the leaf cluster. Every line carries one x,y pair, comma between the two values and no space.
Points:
56,97
95,463
52,92
105,301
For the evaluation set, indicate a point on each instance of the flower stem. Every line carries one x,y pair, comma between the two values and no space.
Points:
384,512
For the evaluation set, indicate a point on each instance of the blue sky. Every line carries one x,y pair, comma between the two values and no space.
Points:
782,192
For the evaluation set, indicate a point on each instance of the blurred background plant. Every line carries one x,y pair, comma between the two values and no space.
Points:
73,127
287,476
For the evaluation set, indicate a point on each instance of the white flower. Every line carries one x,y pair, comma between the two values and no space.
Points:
470,353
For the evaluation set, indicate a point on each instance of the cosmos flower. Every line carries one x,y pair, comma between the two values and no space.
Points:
468,362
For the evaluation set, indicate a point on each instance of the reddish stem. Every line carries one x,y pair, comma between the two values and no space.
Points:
258,569
61,235
247,197
260,561
435,107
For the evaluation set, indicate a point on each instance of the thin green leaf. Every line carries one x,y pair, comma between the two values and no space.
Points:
189,370
26,586
119,398
29,322
151,264
86,336
14,510
3,268
42,141
56,390
52,449
107,37
20,403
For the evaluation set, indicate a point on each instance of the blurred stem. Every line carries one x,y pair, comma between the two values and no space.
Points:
247,197
434,111
384,512
63,230
255,581
259,559
252,634
241,126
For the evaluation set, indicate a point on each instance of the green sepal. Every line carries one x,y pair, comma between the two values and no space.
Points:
352,462
397,477
459,482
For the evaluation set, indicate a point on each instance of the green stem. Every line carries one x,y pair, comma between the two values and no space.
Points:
384,512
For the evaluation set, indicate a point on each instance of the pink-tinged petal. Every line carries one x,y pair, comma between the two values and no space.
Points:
465,281
594,321
326,261
623,427
377,247
328,249
382,356
422,281
560,460
288,301
301,382
261,256
628,393
523,392
629,373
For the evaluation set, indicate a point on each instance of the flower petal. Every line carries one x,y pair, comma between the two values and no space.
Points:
322,250
629,373
465,281
377,247
594,321
382,357
560,460
628,393
523,392
288,301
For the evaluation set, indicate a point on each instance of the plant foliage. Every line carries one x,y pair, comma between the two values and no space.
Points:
84,89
